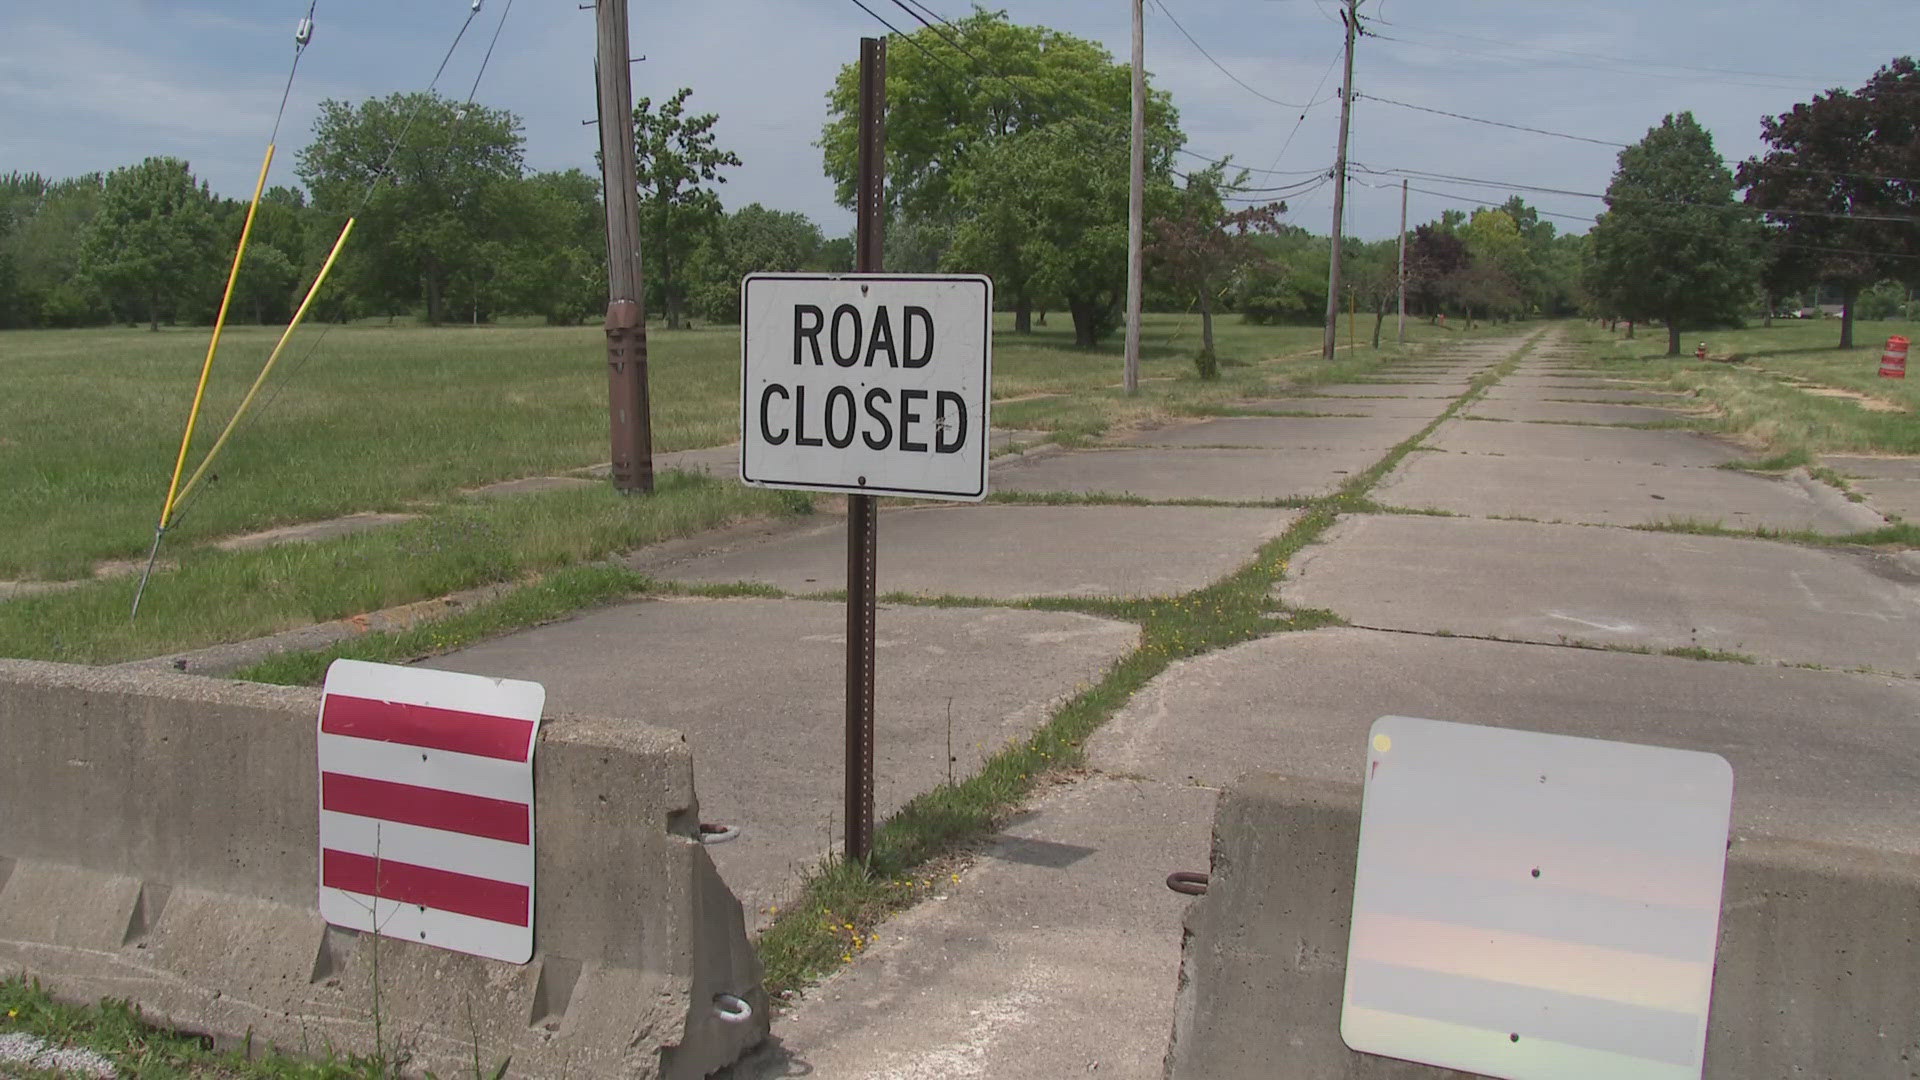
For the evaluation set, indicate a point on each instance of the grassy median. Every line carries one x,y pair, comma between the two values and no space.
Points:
1786,388
370,418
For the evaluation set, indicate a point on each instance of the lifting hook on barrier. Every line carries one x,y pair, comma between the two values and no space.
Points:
732,1008
718,834
1187,881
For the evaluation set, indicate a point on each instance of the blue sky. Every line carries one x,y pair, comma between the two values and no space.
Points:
93,84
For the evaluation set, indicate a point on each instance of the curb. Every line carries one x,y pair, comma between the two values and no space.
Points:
1833,501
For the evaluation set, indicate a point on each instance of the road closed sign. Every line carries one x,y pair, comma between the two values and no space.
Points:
872,384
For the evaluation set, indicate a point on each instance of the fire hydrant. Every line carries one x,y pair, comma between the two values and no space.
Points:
1701,352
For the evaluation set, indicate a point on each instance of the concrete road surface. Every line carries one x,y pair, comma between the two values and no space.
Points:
1055,952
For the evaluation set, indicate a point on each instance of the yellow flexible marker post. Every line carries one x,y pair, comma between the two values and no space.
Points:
219,324
272,358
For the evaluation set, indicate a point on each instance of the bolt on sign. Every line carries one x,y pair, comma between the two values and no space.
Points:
866,384
1534,906
426,806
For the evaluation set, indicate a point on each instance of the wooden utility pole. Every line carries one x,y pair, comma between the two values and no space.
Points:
1136,199
1403,262
628,417
1351,17
863,523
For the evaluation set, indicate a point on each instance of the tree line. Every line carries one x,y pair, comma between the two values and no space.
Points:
1007,155
1832,206
450,227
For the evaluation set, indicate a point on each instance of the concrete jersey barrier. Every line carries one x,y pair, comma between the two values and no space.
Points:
1818,969
158,843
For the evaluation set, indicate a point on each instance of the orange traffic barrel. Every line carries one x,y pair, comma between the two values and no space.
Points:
1893,362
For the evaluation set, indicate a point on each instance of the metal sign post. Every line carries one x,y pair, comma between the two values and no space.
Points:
863,526
866,384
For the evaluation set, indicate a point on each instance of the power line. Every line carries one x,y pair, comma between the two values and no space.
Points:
1461,200
301,37
1623,146
381,173
1161,4
1021,97
1805,79
1302,118
1510,186
1210,159
1494,123
246,422
1298,188
488,58
962,49
1310,189
1615,69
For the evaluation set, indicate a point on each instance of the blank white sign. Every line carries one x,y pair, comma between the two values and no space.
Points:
1535,907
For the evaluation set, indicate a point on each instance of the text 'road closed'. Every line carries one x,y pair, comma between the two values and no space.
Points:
869,383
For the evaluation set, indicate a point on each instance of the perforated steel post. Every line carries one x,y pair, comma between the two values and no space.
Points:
862,524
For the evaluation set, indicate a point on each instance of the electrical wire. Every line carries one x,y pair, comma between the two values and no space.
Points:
1315,96
381,173
1161,4
488,58
1510,186
1462,200
1311,189
1021,97
1493,123
245,422
1802,79
1560,64
301,38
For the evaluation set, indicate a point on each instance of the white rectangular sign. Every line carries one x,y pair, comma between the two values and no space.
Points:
874,384
426,806
1535,907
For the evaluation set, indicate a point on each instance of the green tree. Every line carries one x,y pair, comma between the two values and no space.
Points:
47,251
1501,265
1831,184
20,196
272,271
423,176
943,115
752,239
836,255
1885,300
1372,271
1785,269
1288,284
676,162
940,108
1673,244
151,246
557,255
1058,195
1200,246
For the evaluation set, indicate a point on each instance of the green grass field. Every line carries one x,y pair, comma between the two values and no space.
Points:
1780,393
403,418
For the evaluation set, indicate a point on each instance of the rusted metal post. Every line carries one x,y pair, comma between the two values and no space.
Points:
863,533
628,417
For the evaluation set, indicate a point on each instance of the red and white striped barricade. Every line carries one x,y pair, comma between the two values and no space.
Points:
426,806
